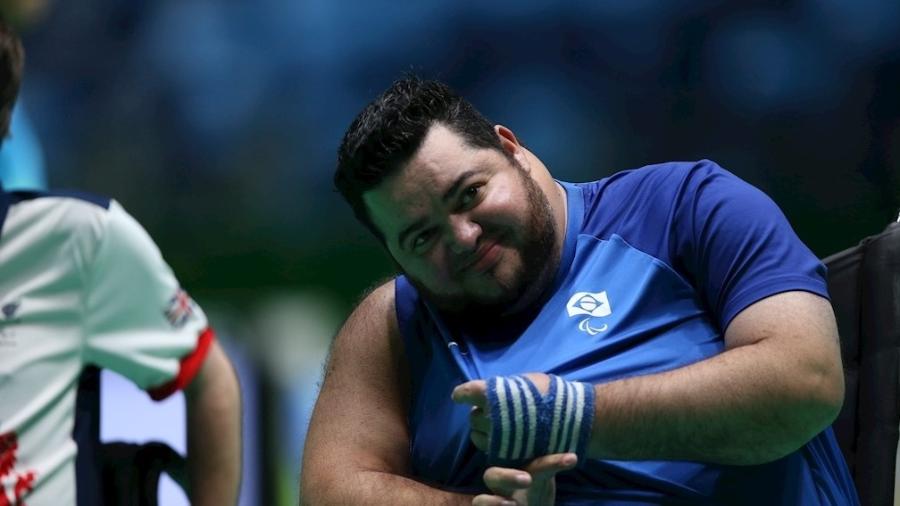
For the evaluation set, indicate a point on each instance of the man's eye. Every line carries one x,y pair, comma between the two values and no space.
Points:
422,239
469,195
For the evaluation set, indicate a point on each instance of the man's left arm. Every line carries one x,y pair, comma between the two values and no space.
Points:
779,380
214,432
778,384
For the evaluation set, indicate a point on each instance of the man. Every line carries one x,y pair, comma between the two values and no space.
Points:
660,336
81,283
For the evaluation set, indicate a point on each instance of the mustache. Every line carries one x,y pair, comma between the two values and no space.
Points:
465,261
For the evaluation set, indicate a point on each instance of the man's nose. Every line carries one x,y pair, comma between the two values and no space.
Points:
464,233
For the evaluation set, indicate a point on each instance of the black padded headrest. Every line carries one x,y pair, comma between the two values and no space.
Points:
864,283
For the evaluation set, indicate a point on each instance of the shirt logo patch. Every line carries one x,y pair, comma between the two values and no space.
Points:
590,305
7,320
22,483
180,309
9,310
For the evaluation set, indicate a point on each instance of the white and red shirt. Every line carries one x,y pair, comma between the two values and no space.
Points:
81,283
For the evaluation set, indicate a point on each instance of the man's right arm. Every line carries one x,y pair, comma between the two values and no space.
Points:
357,447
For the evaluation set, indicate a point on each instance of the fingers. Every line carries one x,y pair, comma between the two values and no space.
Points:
546,466
492,500
475,393
537,476
471,392
504,481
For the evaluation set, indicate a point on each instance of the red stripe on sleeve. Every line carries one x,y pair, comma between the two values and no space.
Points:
190,366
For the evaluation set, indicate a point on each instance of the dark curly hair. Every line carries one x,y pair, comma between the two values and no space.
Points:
12,57
389,131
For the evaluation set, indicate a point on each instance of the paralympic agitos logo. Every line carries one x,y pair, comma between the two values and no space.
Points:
590,305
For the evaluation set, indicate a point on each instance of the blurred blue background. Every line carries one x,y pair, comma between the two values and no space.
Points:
216,124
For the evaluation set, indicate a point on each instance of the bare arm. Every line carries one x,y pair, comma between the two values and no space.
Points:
777,385
357,447
214,432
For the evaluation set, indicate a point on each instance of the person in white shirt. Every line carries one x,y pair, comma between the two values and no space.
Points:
81,284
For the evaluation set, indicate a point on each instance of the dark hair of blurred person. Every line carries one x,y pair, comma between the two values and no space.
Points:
12,58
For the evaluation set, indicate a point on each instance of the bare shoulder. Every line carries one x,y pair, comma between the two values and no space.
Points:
374,320
369,341
377,306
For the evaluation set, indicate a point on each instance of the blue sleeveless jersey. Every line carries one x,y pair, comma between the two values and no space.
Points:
656,262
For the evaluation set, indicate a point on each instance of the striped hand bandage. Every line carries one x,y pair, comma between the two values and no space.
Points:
526,424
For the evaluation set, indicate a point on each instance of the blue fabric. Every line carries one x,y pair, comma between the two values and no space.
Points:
97,200
8,199
656,262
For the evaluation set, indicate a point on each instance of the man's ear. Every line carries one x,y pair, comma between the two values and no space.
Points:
511,145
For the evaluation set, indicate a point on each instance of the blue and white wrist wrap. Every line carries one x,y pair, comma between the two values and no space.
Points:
525,424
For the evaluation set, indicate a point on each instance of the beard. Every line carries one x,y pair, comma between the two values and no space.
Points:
539,258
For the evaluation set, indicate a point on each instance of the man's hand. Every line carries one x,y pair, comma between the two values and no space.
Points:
474,393
535,485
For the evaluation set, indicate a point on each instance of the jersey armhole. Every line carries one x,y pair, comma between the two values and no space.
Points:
188,369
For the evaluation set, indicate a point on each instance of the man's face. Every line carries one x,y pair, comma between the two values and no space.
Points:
469,226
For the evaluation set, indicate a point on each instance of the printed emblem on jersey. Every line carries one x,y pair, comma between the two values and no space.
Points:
180,309
591,305
8,318
9,310
23,483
